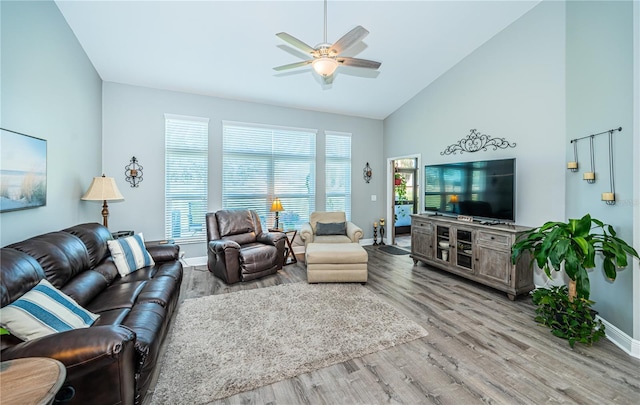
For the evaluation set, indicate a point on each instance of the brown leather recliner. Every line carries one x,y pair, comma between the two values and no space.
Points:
238,249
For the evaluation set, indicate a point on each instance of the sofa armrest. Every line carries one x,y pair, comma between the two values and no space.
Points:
354,232
270,238
100,361
76,347
164,253
306,233
219,245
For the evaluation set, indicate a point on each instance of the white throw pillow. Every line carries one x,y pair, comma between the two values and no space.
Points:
129,254
42,311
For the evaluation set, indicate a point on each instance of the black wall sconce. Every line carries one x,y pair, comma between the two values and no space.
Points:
366,173
133,172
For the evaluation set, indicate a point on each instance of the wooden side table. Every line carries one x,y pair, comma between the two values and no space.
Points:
291,235
31,380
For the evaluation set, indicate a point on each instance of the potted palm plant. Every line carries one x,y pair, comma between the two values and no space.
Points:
572,245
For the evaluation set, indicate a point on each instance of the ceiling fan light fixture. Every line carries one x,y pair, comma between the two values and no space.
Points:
324,66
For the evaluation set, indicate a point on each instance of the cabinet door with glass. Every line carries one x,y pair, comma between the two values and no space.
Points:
463,253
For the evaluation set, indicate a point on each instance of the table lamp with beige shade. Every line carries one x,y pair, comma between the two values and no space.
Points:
103,189
276,207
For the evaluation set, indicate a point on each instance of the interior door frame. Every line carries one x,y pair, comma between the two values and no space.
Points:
389,197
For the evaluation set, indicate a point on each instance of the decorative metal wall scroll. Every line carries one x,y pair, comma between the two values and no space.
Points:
475,142
133,172
366,173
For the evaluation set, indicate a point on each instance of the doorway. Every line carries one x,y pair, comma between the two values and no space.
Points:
405,197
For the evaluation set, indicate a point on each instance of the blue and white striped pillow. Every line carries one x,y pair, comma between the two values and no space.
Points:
129,254
42,311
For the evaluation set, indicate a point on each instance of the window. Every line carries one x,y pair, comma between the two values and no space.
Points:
186,167
338,172
260,163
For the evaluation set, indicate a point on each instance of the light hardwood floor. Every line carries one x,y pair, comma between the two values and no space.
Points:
481,348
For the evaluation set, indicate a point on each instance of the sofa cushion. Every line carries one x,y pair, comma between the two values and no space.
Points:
60,254
333,228
20,273
326,217
332,239
42,311
117,295
255,257
344,253
95,237
130,254
234,222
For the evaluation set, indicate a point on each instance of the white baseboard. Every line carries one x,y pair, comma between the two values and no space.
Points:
368,242
625,342
196,261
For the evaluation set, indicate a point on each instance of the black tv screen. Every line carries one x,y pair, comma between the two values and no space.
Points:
483,189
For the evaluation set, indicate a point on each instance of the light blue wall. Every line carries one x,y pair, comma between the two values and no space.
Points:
600,97
134,126
511,87
50,90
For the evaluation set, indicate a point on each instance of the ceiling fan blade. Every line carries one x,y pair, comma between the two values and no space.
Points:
362,63
295,42
293,65
348,40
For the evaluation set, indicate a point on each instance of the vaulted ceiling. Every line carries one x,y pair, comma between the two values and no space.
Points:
229,48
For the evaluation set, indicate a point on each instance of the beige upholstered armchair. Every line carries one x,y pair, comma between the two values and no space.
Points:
333,228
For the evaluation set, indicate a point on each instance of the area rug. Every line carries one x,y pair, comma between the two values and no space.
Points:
393,250
221,345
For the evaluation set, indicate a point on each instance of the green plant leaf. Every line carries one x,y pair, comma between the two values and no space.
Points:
571,264
612,231
589,261
582,242
557,254
583,226
549,225
583,287
609,268
628,249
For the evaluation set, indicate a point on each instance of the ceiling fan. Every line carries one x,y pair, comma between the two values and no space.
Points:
326,57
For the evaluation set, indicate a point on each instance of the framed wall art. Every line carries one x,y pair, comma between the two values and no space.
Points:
23,171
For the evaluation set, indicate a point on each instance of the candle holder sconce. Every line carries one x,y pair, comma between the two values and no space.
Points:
133,172
366,173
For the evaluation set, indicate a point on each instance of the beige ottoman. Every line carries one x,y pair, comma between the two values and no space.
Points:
336,263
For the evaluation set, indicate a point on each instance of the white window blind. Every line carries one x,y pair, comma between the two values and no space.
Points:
338,172
186,178
260,163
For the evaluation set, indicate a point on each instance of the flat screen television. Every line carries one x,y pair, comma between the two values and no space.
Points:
481,189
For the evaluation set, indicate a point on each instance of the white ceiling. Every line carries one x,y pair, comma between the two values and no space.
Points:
228,48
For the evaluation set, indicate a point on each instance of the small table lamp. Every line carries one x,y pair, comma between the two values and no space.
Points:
103,189
276,207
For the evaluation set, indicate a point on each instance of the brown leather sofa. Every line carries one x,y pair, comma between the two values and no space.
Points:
238,249
112,361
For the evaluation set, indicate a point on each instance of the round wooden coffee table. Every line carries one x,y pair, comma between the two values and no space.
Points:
31,380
